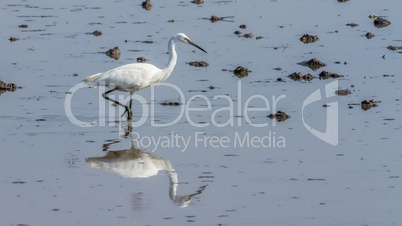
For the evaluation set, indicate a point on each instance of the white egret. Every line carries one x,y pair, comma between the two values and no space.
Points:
137,76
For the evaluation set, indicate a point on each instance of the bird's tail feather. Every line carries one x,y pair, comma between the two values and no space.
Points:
92,77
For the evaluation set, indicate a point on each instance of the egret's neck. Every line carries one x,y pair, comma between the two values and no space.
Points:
172,59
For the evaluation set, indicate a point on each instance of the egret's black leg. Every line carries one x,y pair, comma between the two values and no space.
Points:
116,102
129,111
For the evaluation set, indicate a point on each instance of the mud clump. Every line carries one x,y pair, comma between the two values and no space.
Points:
147,5
279,116
241,72
306,38
7,87
297,76
170,103
114,53
249,35
141,59
367,104
352,25
96,33
394,48
381,22
214,19
369,35
198,2
198,64
342,92
147,42
313,64
13,39
327,75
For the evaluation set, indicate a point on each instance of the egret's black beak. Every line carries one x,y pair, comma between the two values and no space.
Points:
193,44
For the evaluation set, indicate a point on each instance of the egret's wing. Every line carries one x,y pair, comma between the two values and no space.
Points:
128,77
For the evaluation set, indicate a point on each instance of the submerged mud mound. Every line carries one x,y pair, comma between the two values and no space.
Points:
297,76
141,59
314,64
342,92
279,116
327,75
381,22
241,72
7,87
198,64
170,103
114,53
147,5
306,38
367,104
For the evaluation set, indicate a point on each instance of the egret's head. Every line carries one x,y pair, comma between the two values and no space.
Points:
183,38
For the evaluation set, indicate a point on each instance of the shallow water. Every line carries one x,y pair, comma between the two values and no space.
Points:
277,174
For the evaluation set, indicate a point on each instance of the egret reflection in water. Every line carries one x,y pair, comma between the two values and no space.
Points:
135,163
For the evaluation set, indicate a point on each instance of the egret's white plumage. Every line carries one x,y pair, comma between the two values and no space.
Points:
137,76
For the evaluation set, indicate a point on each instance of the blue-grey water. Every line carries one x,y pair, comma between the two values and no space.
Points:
221,160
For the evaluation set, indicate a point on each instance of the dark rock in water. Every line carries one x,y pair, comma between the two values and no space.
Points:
314,64
367,104
249,35
381,22
297,76
198,64
214,18
141,59
97,33
343,92
198,2
352,24
326,75
7,86
148,42
369,35
279,116
114,53
241,72
147,5
394,48
171,103
306,38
